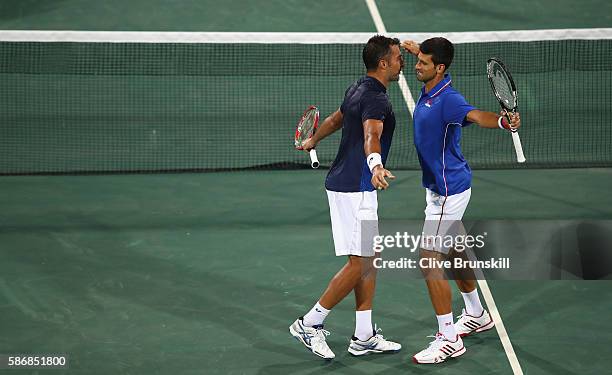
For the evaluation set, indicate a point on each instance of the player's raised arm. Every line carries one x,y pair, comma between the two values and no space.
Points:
330,125
372,130
493,120
411,47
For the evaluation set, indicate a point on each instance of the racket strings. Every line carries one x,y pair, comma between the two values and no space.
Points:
503,87
305,128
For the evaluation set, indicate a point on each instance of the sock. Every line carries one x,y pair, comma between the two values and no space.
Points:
472,303
446,327
363,325
316,315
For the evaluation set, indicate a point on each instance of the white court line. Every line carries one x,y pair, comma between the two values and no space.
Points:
482,283
499,323
378,22
501,329
380,28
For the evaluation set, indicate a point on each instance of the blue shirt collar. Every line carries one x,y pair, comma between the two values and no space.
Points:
443,84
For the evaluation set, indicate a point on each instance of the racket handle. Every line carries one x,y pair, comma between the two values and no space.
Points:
518,147
314,161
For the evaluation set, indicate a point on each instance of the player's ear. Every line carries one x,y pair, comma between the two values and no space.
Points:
440,68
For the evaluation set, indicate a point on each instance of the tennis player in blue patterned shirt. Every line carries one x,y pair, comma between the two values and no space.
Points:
440,114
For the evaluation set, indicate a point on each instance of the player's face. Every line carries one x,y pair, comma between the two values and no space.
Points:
425,69
395,63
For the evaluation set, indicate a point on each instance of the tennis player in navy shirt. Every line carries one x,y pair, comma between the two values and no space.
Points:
439,116
367,122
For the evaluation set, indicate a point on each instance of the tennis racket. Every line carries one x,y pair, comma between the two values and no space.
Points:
505,91
305,129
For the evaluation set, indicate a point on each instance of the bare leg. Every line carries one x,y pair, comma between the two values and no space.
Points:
466,286
364,295
465,278
365,288
466,282
437,285
343,282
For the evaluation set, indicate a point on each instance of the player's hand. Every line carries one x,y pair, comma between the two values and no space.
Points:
379,175
411,47
308,144
514,123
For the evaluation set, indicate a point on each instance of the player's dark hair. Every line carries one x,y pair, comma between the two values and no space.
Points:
440,49
377,48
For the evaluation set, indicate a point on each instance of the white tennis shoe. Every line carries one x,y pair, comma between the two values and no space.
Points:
467,324
313,338
440,350
375,344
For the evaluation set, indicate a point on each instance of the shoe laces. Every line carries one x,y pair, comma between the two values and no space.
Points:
438,339
377,331
321,333
463,313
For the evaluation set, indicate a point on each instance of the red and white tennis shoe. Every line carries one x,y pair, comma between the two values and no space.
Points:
440,350
467,324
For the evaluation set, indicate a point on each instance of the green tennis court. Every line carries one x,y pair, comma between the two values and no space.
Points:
197,270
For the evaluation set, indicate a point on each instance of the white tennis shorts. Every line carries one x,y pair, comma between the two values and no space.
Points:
354,219
443,216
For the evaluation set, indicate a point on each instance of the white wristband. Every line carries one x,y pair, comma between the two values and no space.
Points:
500,123
374,159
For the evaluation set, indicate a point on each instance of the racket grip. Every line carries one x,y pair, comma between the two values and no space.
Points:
518,147
314,160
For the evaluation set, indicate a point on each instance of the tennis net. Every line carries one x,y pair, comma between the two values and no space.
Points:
108,102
